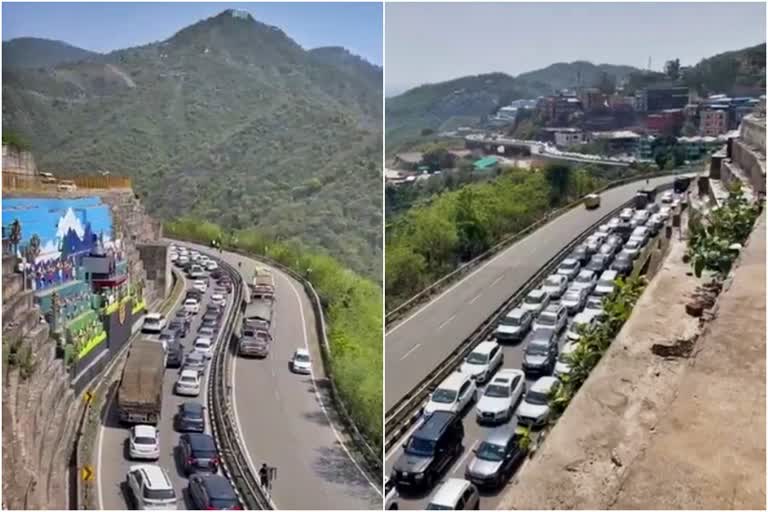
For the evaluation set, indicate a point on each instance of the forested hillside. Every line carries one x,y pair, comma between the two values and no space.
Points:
228,120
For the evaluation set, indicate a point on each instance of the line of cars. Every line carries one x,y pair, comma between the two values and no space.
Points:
148,485
565,302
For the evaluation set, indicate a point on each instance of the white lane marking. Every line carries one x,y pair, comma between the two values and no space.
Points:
410,351
475,298
277,395
497,280
446,322
466,454
317,393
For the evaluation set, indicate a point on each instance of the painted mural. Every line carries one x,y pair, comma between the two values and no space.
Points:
59,244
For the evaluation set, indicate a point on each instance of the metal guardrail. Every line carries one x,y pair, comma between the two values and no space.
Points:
429,291
34,182
225,432
406,412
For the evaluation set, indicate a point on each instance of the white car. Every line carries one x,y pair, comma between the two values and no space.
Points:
667,197
204,346
626,214
554,317
150,488
174,256
196,272
633,247
211,265
188,383
454,394
153,323
144,443
218,299
455,494
200,285
514,325
607,283
555,285
501,396
301,362
641,216
182,260
641,233
605,229
536,301
191,306
583,320
594,306
665,212
563,366
586,279
535,407
569,268
483,361
574,299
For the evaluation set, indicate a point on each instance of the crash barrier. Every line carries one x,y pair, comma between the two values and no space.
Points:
407,411
433,289
225,432
36,183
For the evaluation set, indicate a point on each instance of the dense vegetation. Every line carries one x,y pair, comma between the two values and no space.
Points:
595,340
716,239
228,120
432,239
730,73
353,312
32,52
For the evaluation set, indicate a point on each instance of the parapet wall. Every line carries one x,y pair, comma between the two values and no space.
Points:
19,162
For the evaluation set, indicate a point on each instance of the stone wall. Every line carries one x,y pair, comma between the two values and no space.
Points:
154,256
16,161
753,131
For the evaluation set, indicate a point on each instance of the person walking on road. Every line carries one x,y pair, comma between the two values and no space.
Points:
264,476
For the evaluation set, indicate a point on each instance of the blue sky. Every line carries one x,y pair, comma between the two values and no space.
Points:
103,27
433,42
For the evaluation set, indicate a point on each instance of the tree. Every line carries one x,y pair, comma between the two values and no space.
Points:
474,237
438,157
672,69
559,177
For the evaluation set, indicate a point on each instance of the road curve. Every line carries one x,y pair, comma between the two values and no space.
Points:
283,418
417,344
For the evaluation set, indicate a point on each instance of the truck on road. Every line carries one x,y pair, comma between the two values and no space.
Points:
263,285
255,334
140,393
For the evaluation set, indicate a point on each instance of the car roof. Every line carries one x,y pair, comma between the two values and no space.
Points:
144,430
155,477
517,313
450,491
569,260
437,422
538,292
586,272
609,274
485,347
217,486
501,435
201,441
192,406
507,374
454,380
153,316
188,373
544,384
302,352
553,308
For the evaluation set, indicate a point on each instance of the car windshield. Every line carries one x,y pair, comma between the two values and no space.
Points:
477,358
594,303
418,446
533,299
189,379
193,414
159,494
553,281
547,318
489,451
633,244
536,349
302,358
605,282
444,396
497,391
536,398
144,440
583,278
568,265
510,320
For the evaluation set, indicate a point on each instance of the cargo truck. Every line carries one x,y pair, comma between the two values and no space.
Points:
263,285
140,394
255,334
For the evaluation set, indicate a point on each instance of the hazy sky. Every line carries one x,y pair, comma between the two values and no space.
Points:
104,27
436,42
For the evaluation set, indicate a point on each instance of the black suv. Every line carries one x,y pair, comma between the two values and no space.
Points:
540,354
190,417
175,354
198,453
429,451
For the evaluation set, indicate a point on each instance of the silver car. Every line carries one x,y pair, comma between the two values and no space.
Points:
555,285
536,301
535,407
574,299
495,458
569,268
500,396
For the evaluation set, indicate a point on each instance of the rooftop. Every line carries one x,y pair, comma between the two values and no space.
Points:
485,163
620,134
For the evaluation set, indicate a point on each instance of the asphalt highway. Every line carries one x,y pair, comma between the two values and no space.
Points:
417,344
284,417
112,452
473,432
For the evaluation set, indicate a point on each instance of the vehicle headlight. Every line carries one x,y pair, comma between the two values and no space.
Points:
418,476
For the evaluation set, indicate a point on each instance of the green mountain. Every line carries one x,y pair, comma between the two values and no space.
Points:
229,120
466,100
737,72
33,52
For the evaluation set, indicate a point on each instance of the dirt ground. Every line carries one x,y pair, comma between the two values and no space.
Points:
647,432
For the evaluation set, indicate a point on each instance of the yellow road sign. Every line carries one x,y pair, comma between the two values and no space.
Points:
87,473
88,397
